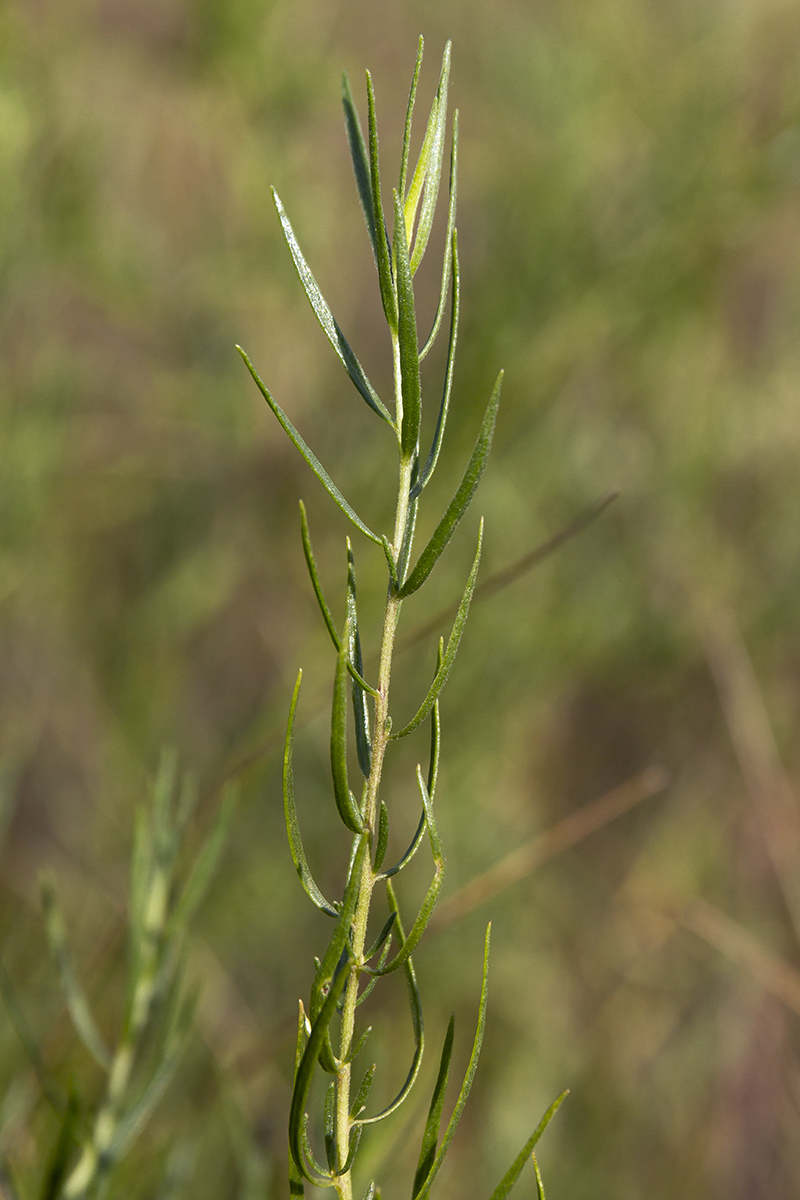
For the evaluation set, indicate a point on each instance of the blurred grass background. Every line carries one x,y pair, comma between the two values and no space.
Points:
630,243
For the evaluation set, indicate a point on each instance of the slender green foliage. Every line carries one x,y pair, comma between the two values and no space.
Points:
328,1040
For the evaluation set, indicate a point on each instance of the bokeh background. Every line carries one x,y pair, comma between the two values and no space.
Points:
630,244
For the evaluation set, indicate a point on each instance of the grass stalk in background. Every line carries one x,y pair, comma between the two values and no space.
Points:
330,1041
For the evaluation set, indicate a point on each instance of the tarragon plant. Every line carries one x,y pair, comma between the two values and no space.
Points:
328,1038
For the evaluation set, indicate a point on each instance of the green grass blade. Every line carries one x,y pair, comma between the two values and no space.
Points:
539,1181
407,337
440,678
315,580
307,1065
385,275
401,187
411,942
416,1021
436,444
466,1086
358,153
330,326
290,813
360,713
462,499
345,803
451,224
308,454
430,1136
77,1003
433,170
512,1174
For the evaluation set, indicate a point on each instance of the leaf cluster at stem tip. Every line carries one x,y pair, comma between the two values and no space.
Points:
356,960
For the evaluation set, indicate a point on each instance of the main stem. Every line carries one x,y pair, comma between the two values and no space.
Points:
343,1121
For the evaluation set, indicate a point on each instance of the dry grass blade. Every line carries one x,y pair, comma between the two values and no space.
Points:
726,935
768,784
554,841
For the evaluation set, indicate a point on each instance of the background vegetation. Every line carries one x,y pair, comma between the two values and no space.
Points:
629,231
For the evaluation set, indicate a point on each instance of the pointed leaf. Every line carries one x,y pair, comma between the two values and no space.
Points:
436,732
290,813
430,1135
472,1066
362,1095
305,1070
330,327
407,337
360,713
440,678
77,1003
382,840
432,895
308,454
416,1021
436,444
512,1174
433,170
401,187
329,1114
358,153
383,253
341,934
315,580
345,803
410,852
381,938
461,501
448,240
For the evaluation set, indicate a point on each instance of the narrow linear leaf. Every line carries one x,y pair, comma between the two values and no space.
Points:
360,713
410,852
358,153
401,187
345,803
436,732
315,580
381,938
328,1118
308,454
311,1161
407,337
384,256
374,979
204,866
416,1021
341,935
513,1173
414,194
77,1003
472,1066
382,840
462,499
451,224
305,1070
433,170
392,565
440,678
362,1095
444,407
359,1046
290,813
432,895
430,1136
330,326
408,538
539,1181
369,1194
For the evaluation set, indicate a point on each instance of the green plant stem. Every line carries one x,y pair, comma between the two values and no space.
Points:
343,1119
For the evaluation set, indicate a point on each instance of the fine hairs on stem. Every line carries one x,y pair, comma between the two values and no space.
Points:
328,1038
